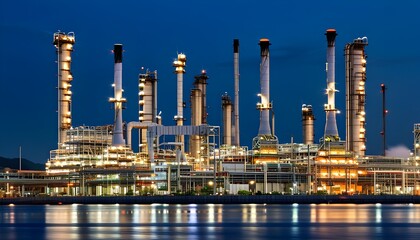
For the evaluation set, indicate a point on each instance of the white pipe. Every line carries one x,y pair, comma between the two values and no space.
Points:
138,125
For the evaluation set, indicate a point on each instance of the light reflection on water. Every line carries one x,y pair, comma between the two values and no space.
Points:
211,221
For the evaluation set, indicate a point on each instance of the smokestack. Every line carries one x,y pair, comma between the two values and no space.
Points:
64,44
356,96
331,132
308,124
118,100
384,112
236,76
264,106
179,65
227,119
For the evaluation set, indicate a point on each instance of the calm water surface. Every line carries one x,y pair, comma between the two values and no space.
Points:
246,221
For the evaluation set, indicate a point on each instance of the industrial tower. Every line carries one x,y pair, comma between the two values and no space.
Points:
266,141
179,65
331,132
308,124
118,100
147,104
64,44
236,135
355,58
198,112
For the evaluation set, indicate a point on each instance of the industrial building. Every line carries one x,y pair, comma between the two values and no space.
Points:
208,159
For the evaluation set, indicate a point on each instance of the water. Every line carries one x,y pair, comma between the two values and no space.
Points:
210,221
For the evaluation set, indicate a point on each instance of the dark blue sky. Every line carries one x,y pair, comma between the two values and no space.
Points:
152,33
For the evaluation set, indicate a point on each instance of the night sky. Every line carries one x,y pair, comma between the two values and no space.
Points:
153,32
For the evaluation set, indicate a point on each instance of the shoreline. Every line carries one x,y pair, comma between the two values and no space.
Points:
227,199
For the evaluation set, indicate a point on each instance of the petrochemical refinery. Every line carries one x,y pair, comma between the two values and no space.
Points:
205,158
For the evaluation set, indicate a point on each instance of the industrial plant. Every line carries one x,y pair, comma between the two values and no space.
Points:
208,158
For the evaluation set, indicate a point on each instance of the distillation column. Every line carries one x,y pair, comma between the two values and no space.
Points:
64,44
227,119
179,65
308,124
196,118
118,100
201,84
236,77
264,106
147,104
198,113
355,96
331,132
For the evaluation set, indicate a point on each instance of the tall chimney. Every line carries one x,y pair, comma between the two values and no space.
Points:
179,65
118,100
331,132
264,106
236,76
64,44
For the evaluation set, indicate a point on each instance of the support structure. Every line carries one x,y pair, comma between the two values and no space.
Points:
64,44
356,96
